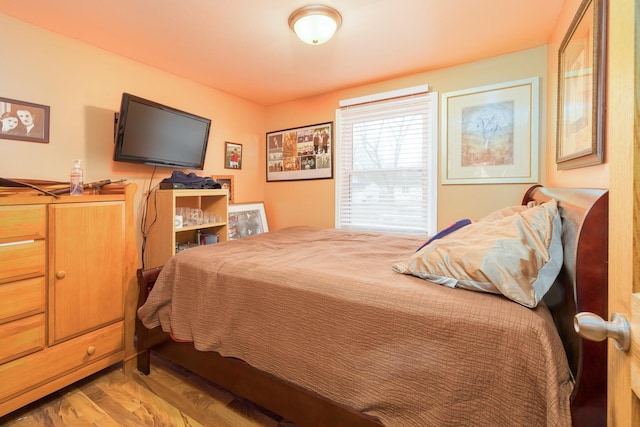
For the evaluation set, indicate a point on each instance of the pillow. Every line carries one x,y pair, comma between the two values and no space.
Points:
504,212
518,255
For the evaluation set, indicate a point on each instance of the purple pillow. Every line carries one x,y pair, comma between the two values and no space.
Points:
450,229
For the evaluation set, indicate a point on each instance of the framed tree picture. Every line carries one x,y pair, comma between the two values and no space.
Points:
490,134
300,153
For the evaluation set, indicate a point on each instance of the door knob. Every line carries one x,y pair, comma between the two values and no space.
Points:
592,327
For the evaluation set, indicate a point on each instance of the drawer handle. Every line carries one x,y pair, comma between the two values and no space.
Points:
21,242
61,274
91,350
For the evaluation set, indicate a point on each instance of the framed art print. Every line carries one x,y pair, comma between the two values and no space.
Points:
581,88
226,182
232,155
247,219
24,121
300,153
490,134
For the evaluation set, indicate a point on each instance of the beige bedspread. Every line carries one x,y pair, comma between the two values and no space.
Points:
323,309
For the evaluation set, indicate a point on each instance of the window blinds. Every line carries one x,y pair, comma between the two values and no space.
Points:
386,165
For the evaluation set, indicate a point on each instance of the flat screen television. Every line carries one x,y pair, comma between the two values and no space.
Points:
155,134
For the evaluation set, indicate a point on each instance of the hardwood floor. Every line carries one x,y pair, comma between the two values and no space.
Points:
168,396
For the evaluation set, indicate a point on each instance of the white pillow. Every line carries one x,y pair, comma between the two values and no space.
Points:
504,212
518,255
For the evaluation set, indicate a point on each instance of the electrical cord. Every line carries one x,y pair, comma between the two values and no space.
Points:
145,212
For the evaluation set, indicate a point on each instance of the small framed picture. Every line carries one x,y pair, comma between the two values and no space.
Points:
247,219
226,181
24,121
232,155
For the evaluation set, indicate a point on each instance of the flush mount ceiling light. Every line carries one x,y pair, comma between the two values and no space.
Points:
315,24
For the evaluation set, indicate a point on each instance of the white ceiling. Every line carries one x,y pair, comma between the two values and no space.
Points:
245,47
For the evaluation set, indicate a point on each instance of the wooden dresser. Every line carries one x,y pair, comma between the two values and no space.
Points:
67,290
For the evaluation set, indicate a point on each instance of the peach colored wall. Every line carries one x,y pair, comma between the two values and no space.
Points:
312,202
592,176
83,86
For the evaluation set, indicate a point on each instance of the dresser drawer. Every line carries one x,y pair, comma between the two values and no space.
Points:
21,337
22,260
21,298
52,362
24,220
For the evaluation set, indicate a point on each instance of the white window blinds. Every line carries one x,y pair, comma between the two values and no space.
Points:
386,165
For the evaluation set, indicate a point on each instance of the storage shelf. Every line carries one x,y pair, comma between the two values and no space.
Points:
199,227
164,237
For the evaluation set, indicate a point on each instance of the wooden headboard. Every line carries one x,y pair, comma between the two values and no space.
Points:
582,285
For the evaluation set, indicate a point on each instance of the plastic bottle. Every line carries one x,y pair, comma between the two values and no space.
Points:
76,180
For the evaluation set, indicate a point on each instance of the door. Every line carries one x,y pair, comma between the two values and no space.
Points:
623,139
86,264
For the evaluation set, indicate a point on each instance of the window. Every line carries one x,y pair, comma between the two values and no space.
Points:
386,165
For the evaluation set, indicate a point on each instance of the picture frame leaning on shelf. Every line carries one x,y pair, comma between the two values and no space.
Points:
247,219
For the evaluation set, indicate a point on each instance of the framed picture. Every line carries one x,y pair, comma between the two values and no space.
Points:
247,219
226,181
232,155
24,121
490,134
581,88
300,153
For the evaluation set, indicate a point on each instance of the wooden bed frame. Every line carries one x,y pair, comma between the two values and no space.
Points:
581,286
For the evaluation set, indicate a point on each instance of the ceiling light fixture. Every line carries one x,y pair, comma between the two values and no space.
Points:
315,24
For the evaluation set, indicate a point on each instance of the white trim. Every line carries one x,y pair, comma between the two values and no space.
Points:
414,90
337,166
433,176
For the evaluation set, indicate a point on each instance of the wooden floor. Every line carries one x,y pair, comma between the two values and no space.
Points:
168,396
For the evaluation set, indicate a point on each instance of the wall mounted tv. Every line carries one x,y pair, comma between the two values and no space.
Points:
155,134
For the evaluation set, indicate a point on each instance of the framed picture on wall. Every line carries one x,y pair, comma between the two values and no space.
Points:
247,219
226,181
490,134
300,153
581,88
232,155
24,121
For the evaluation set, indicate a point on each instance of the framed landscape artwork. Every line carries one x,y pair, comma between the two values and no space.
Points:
300,153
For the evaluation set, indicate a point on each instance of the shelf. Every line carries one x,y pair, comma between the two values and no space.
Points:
164,236
200,227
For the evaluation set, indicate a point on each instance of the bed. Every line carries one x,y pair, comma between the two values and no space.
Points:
323,328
